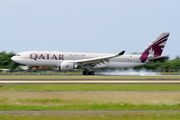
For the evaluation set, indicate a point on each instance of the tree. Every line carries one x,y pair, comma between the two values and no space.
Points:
6,62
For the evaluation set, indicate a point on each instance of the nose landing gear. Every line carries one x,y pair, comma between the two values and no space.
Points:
29,68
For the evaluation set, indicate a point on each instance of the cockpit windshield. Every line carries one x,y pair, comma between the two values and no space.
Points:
17,54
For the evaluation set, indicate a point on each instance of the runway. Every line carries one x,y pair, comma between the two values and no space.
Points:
89,82
89,78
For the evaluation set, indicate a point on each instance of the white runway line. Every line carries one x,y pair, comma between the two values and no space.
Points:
89,82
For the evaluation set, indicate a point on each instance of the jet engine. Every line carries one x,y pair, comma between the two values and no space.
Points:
68,66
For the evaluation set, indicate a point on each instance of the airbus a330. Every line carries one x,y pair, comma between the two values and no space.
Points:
65,61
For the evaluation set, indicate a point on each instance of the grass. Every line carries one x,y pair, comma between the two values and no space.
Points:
89,96
91,107
90,100
122,116
89,87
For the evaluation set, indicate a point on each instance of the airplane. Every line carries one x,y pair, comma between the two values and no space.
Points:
65,61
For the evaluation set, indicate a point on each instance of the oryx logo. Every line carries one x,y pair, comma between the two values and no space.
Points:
155,49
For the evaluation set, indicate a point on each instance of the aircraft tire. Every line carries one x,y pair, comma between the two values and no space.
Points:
86,72
91,72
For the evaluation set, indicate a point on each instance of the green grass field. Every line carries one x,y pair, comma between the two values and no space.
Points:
89,87
91,97
124,116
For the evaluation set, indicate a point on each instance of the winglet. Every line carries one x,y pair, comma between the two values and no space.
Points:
121,53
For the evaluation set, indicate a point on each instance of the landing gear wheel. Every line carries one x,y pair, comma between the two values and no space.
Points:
91,72
86,72
28,70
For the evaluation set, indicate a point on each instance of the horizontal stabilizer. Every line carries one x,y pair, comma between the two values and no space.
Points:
153,59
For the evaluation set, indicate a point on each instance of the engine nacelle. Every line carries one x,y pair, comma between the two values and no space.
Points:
68,66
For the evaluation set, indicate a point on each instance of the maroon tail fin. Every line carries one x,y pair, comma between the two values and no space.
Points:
155,48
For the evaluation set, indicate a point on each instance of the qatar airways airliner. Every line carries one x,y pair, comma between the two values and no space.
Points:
65,61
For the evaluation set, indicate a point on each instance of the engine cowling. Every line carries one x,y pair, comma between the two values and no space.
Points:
68,66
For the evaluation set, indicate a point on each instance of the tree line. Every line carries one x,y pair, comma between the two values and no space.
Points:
7,63
161,65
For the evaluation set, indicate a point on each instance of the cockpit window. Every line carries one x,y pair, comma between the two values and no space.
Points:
17,54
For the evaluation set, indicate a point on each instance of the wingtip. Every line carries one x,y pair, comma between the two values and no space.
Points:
121,53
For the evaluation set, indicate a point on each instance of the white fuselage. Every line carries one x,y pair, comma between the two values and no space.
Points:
46,58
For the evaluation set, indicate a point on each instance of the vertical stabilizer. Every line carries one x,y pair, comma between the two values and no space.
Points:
155,48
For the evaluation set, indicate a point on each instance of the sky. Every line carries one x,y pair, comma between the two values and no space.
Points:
93,26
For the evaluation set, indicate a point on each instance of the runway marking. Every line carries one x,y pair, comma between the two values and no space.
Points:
89,82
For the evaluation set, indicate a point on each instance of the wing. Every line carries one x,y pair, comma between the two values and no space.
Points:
99,60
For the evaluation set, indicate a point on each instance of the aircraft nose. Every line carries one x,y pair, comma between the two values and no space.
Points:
12,58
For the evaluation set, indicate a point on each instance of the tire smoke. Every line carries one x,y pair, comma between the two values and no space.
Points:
129,72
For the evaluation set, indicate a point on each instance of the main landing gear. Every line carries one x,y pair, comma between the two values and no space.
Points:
29,68
87,72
